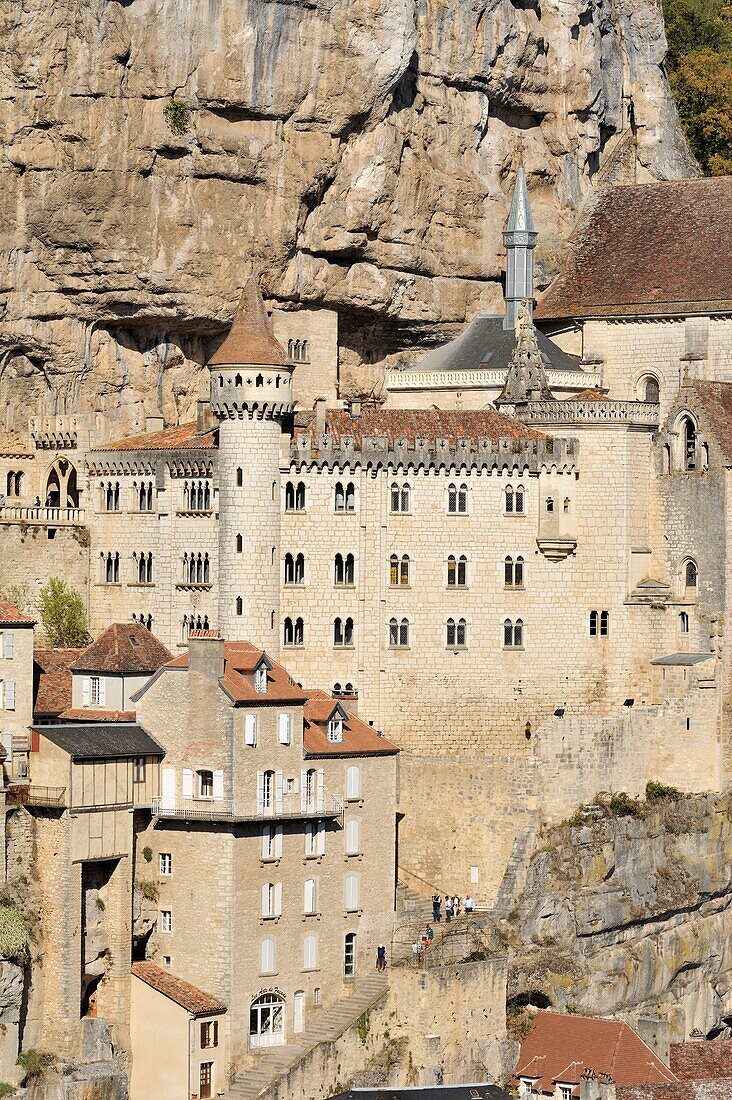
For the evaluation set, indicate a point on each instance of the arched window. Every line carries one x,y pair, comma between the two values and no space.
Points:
666,459
353,837
457,499
604,624
144,568
62,490
567,504
519,500
652,390
690,574
398,633
593,624
111,570
684,622
239,544
549,504
513,634
513,572
294,569
399,570
14,483
509,500
400,497
239,605
259,381
349,955
145,496
238,380
343,569
456,633
239,477
343,632
310,790
688,442
345,497
293,631
353,782
295,496
267,1012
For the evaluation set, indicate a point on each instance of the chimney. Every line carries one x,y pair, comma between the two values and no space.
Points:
206,654
355,410
154,424
205,419
319,417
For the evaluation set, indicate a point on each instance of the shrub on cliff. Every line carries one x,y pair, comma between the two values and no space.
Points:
659,792
35,1062
13,932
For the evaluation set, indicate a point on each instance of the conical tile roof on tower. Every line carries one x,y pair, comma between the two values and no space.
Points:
250,339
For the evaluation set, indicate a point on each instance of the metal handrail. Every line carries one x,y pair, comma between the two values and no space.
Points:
223,809
37,796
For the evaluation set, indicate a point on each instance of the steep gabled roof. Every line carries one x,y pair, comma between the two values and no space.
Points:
11,616
123,647
559,1049
359,739
702,1060
190,998
250,340
52,678
652,249
240,661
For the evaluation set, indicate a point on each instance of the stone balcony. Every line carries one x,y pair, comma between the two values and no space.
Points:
642,414
43,517
242,810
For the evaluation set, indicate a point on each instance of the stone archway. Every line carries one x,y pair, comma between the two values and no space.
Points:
62,490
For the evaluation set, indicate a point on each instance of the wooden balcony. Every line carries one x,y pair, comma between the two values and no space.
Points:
210,809
53,798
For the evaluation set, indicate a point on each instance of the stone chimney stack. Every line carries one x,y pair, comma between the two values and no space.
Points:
154,424
206,654
319,417
596,1086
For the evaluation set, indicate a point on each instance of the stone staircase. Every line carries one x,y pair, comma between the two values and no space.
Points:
330,1023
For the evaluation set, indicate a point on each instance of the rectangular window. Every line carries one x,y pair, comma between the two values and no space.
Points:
250,730
352,893
166,863
260,681
310,952
310,897
167,960
138,770
310,838
209,1034
96,691
10,694
205,1091
285,728
8,640
205,784
166,920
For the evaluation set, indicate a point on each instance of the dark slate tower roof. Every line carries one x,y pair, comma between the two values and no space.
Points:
250,341
486,344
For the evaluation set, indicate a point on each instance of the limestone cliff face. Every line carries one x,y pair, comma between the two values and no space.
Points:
360,155
631,916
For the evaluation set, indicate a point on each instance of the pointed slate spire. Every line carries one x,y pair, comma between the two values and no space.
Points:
250,340
526,378
519,237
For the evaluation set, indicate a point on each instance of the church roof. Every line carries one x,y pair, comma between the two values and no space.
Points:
654,249
250,339
519,217
716,400
427,424
486,345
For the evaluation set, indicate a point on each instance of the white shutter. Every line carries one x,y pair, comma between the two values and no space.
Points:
9,640
321,789
260,791
278,899
85,691
284,724
265,900
267,958
351,892
278,841
309,896
7,740
10,694
187,783
278,792
167,800
218,786
310,952
321,838
303,791
250,730
102,691
353,782
353,838
266,834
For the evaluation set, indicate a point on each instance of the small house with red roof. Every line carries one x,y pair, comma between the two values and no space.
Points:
560,1050
274,829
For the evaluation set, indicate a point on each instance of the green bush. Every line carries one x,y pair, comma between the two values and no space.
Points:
658,792
6,1089
35,1062
622,805
148,889
147,854
177,115
13,931
475,957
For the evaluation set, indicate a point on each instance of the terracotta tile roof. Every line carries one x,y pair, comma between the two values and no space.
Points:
190,998
183,437
677,1090
411,424
52,680
559,1049
250,339
240,661
716,400
11,616
591,395
702,1060
123,647
84,714
649,250
359,739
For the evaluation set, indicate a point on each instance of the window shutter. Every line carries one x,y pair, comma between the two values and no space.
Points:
187,783
218,786
9,641
278,841
353,782
303,791
278,899
85,691
310,953
278,792
250,729
351,892
284,721
321,838
10,694
353,838
102,691
260,791
265,899
268,956
7,740
321,789
266,833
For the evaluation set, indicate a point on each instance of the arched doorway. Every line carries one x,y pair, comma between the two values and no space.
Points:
267,1020
61,486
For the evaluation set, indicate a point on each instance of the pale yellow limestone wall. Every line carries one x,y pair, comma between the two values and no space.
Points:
18,669
317,375
160,1030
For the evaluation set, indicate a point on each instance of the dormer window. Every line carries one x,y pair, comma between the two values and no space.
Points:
260,680
335,728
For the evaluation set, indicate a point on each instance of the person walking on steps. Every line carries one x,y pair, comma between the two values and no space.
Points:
436,903
381,957
448,908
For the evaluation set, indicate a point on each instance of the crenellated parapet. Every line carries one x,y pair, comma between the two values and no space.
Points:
182,463
481,455
254,393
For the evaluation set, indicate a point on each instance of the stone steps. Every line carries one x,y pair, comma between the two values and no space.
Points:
330,1024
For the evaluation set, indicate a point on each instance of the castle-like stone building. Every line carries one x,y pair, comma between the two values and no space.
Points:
516,564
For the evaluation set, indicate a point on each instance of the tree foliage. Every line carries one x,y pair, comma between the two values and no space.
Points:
699,36
62,614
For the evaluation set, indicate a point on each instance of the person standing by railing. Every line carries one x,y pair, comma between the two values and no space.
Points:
436,903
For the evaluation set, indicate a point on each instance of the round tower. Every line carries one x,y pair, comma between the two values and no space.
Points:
251,390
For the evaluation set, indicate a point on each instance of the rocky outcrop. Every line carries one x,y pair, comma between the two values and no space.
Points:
360,155
630,916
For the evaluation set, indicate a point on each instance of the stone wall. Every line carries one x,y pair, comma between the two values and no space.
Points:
30,556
